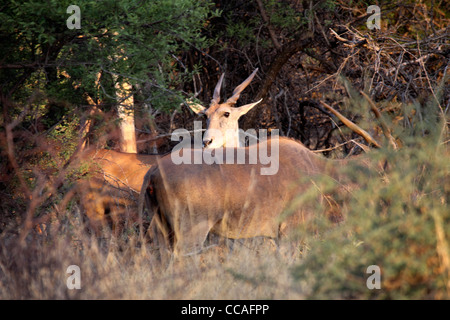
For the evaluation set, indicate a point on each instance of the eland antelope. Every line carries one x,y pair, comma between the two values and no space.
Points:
188,201
110,189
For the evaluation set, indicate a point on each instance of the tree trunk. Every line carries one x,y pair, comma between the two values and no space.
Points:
125,110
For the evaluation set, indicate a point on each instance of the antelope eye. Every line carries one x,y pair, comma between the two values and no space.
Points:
226,114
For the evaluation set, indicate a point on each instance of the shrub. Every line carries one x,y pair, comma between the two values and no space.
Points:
398,221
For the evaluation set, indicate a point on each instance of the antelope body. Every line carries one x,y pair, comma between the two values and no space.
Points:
232,200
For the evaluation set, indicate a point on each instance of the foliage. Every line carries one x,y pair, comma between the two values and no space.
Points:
135,40
397,221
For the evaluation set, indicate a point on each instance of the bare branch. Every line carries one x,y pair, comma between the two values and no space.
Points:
352,125
386,131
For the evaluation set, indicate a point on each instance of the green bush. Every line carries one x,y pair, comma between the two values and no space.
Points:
398,220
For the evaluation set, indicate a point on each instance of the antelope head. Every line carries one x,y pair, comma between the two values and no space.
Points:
222,118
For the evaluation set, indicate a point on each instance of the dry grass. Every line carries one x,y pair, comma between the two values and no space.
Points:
124,269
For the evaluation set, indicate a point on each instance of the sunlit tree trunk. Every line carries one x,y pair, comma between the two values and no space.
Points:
125,110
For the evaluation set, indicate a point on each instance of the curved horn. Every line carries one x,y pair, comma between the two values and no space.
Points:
216,95
237,92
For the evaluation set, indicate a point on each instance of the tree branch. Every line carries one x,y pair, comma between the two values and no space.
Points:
269,26
376,112
287,51
352,125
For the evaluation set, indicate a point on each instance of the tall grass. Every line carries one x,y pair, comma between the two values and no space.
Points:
124,268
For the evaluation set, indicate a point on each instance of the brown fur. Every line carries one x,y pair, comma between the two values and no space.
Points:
110,191
232,200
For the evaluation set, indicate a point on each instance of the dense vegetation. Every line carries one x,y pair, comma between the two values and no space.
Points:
393,82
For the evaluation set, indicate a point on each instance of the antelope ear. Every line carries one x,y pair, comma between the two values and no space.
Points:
246,108
197,108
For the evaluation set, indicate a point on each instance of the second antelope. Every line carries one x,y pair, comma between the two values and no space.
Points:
110,190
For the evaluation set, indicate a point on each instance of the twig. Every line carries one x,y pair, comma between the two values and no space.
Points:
165,135
349,43
336,146
277,118
352,125
418,60
386,131
289,115
422,64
